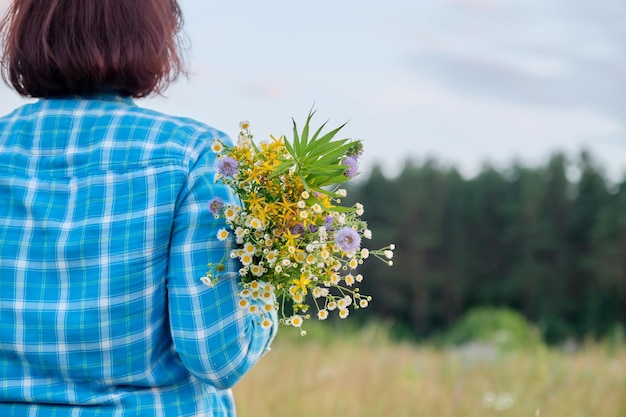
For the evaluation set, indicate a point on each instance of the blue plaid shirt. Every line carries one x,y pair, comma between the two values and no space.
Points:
105,232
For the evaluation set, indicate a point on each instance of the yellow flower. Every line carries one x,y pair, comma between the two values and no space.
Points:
253,172
290,238
262,213
286,206
302,283
254,201
269,164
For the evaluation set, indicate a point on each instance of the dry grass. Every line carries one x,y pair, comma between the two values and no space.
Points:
365,375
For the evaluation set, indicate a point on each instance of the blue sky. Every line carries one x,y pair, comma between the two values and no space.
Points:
464,81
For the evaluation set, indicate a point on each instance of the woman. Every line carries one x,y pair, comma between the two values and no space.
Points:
105,228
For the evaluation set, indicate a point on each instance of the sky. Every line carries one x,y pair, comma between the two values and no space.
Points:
467,82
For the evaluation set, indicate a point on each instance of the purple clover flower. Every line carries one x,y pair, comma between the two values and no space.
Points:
348,239
328,222
352,162
227,166
297,229
216,205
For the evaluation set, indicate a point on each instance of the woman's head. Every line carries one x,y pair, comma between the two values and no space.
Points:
55,48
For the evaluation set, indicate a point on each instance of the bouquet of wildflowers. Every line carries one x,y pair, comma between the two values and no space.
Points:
294,238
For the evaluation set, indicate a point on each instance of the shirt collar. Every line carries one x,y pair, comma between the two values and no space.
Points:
108,96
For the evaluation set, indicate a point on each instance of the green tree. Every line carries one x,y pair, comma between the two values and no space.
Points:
526,238
607,264
591,195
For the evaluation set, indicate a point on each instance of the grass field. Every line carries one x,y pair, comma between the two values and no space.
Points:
364,374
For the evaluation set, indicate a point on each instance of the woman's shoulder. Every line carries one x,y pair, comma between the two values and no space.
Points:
189,135
116,123
187,130
117,112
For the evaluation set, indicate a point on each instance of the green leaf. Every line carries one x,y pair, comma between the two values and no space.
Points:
324,140
282,167
290,149
317,158
335,155
325,148
257,151
318,131
328,181
305,130
320,169
342,209
320,190
339,179
296,141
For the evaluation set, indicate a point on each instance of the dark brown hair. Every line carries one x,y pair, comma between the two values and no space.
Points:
54,48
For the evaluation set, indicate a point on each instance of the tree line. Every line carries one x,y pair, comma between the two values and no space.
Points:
533,239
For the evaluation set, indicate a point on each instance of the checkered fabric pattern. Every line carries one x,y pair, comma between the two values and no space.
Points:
105,232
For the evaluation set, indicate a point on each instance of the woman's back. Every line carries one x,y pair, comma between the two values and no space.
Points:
104,235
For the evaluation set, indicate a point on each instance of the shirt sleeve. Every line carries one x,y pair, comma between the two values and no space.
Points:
218,342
